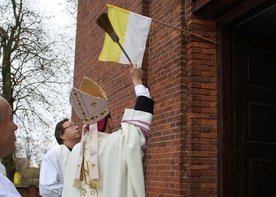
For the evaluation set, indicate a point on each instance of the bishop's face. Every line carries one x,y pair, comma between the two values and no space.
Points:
109,126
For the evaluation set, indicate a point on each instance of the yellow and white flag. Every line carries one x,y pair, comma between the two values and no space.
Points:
132,30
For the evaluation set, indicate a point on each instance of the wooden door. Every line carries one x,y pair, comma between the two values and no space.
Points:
254,116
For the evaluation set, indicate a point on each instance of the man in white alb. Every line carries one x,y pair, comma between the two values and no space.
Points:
53,164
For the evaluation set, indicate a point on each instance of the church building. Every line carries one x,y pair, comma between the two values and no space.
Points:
210,66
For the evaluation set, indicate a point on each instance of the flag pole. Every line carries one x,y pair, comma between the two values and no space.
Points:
124,52
188,32
104,22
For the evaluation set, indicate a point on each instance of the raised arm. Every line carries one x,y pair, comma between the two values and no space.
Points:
143,102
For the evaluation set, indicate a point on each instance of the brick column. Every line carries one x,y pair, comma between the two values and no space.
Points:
201,127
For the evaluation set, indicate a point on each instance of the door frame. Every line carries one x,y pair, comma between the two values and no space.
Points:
226,185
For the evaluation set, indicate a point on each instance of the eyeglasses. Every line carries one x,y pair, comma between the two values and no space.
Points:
71,125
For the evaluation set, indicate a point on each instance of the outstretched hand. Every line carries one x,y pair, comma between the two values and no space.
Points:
136,74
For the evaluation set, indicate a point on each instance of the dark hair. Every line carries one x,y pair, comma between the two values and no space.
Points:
59,130
106,119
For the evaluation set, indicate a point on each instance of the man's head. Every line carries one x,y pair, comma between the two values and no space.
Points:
67,133
7,129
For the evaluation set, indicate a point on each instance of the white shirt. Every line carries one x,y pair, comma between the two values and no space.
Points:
3,169
7,188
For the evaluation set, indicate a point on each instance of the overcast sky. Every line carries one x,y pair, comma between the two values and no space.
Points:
56,9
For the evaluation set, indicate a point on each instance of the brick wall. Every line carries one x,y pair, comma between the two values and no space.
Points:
180,69
31,191
167,78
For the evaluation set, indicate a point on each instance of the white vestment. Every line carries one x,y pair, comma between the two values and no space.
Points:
119,160
52,171
7,188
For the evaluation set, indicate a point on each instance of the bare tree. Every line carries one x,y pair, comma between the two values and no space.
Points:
72,7
33,70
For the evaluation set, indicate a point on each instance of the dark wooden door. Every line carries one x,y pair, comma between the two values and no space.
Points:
254,115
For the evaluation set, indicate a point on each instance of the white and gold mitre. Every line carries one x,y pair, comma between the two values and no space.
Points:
89,101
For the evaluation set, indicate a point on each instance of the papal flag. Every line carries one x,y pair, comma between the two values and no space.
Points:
132,30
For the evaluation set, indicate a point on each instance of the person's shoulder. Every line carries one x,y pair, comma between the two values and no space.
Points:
52,150
1,176
104,137
76,147
62,147
75,151
2,181
7,188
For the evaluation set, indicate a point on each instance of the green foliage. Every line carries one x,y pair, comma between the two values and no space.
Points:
29,176
8,162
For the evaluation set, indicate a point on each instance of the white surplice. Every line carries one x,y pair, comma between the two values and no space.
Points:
7,188
52,171
119,158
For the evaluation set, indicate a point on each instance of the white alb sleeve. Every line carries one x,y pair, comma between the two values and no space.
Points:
141,90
